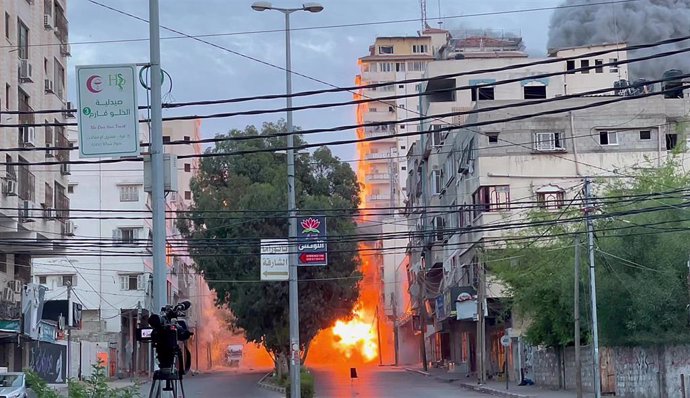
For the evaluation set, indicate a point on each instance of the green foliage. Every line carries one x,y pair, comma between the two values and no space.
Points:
641,264
96,386
39,386
250,191
306,385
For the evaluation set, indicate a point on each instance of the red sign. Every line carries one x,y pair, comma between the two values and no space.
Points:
312,258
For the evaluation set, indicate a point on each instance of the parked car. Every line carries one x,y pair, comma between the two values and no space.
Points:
13,385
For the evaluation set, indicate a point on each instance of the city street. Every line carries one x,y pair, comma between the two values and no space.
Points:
372,382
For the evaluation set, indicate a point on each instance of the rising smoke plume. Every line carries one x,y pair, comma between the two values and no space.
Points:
633,22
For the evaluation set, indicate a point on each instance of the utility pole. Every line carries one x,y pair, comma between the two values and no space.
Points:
70,320
426,254
576,316
157,165
589,208
395,323
481,326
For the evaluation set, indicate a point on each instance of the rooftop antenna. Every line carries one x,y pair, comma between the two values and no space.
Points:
422,4
440,21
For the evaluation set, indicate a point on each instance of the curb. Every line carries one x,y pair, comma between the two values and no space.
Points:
270,387
473,387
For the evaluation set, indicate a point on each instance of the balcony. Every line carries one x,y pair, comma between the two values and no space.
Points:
383,177
62,206
61,142
372,198
385,156
61,25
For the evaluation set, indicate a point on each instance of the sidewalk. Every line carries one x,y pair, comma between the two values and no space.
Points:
496,388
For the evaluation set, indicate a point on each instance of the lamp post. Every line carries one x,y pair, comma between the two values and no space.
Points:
292,208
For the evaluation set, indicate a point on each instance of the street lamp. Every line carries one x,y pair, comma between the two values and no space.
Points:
292,208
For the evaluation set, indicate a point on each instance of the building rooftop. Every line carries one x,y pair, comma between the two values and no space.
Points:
554,51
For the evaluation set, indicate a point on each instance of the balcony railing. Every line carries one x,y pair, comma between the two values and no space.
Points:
61,142
378,177
378,197
375,156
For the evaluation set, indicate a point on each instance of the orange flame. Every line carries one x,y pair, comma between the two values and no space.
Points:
357,340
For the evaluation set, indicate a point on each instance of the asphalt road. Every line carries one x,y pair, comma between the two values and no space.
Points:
372,382
383,382
223,383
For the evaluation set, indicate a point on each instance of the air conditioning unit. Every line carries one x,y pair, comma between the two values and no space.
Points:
67,110
25,71
8,295
28,136
65,50
9,187
49,86
48,21
65,169
68,228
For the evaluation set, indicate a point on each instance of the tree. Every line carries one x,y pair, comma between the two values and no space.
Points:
240,199
642,227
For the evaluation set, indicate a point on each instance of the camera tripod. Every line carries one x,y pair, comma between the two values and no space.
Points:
173,382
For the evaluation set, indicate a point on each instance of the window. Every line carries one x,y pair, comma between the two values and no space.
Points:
132,282
43,280
385,49
420,48
126,235
613,68
416,66
671,141
550,197
482,93
645,135
3,262
548,142
400,67
570,66
68,280
187,167
491,198
436,182
186,138
449,171
59,72
8,89
584,64
493,138
535,92
166,139
598,63
188,195
439,228
8,22
437,135
608,137
22,40
386,67
70,188
129,193
403,168
48,197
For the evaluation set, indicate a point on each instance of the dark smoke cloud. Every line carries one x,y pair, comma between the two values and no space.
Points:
634,22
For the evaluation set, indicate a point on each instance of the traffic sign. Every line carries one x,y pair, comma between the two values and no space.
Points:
312,243
505,340
275,260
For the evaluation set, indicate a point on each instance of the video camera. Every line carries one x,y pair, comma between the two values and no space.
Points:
166,333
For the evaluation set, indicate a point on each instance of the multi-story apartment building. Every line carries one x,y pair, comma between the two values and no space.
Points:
109,264
34,206
452,183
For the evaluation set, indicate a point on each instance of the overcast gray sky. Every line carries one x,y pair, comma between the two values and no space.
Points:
202,72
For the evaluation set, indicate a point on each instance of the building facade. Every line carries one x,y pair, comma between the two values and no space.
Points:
34,219
463,180
111,275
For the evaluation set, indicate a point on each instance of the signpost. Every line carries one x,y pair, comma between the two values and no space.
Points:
312,246
275,259
505,342
108,111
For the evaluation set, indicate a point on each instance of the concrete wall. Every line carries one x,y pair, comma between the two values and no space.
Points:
631,372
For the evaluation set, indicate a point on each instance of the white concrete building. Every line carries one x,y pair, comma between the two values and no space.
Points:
31,78
109,263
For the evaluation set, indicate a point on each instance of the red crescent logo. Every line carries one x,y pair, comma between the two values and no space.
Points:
93,84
